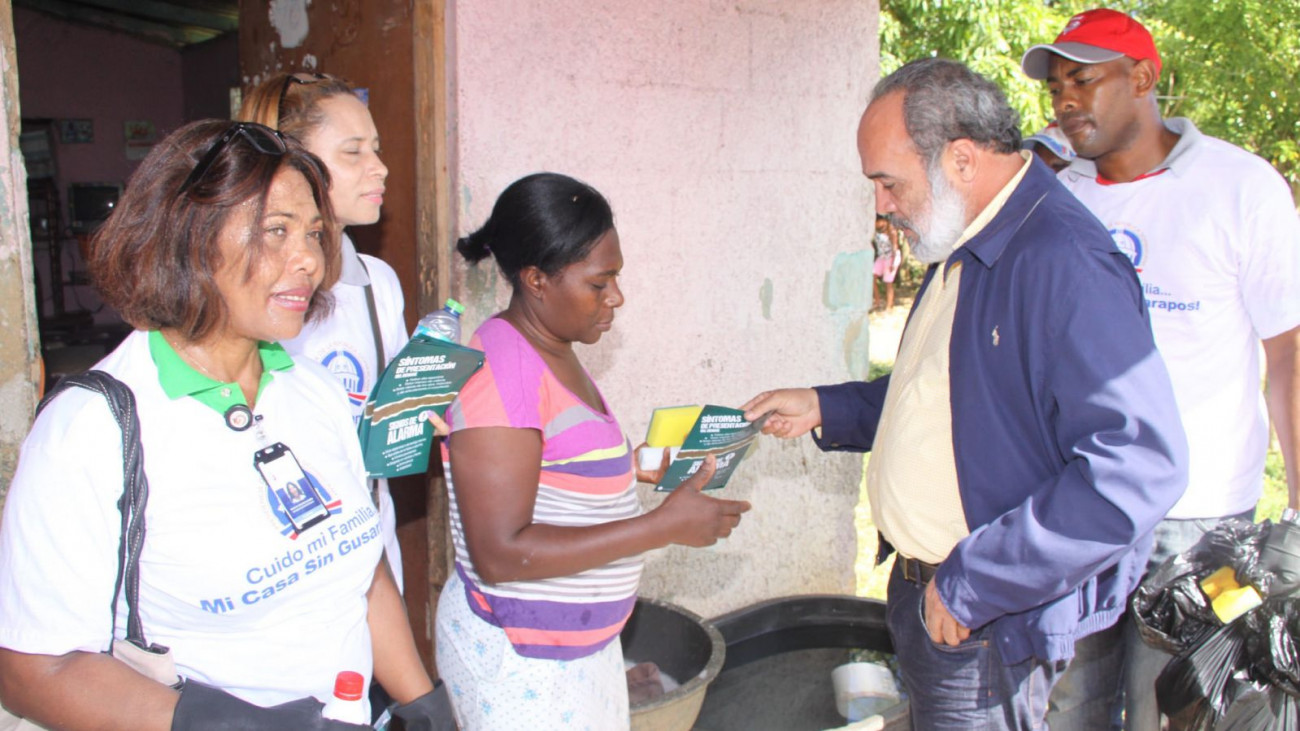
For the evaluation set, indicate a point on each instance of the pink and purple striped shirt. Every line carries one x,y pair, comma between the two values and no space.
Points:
586,479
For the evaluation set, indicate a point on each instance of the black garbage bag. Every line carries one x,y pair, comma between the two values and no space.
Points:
1279,560
1271,653
1193,689
1261,709
1171,611
1236,543
1245,675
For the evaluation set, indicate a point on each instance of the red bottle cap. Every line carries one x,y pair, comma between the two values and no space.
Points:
348,686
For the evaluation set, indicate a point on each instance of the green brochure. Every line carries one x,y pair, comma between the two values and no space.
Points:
719,431
396,436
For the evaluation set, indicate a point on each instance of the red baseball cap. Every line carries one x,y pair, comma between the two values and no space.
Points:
1096,36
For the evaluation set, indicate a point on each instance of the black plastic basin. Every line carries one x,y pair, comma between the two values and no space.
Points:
812,621
780,654
684,646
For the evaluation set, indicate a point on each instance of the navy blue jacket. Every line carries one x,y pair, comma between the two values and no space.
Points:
1068,444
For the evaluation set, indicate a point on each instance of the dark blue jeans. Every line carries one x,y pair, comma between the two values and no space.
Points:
967,687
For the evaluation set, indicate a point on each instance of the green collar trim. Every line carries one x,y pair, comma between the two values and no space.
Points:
178,379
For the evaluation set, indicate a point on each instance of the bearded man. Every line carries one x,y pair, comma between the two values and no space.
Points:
1027,441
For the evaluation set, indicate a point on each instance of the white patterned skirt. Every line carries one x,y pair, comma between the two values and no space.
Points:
493,687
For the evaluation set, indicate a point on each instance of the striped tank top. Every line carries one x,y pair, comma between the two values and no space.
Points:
586,479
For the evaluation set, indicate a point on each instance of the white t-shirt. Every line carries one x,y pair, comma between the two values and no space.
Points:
344,343
244,603
1216,242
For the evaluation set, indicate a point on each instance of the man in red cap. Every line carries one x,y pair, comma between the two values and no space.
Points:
1215,238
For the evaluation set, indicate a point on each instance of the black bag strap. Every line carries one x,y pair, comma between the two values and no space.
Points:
135,493
380,359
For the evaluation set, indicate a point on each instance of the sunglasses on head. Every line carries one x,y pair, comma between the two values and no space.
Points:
303,79
263,139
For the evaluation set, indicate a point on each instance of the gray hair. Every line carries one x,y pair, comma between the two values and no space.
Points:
945,101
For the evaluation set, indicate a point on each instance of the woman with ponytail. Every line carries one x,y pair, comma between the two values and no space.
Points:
547,528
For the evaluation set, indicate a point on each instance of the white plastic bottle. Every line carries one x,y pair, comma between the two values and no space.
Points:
348,703
442,324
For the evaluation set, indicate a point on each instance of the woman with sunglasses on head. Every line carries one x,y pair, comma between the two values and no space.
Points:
547,527
366,328
222,244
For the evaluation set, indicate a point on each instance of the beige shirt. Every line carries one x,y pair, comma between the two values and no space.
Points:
912,475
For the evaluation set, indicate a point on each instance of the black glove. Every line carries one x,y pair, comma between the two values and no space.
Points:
205,708
1280,556
429,712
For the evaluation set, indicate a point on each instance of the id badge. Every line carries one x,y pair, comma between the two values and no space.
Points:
291,486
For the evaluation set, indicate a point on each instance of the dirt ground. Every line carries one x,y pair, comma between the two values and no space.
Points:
886,329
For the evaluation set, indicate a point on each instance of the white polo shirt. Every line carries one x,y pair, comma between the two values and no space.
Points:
1214,235
244,602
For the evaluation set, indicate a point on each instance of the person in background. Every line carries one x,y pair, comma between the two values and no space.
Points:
366,328
223,244
1051,146
888,257
1027,440
1213,232
547,528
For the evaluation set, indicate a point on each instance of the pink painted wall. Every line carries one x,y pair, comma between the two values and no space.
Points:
72,71
209,71
723,134
68,71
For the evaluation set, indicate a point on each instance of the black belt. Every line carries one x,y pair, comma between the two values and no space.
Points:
915,570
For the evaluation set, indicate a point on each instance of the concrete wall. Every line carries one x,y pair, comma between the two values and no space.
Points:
19,367
723,135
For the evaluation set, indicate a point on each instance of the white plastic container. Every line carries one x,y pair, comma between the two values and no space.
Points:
349,702
649,458
863,689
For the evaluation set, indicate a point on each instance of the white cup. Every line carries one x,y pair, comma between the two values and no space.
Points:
863,689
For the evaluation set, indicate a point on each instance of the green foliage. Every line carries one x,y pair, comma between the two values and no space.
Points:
877,368
990,36
1275,493
1228,64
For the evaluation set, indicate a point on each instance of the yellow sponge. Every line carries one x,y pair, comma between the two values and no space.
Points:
1225,579
1235,602
670,425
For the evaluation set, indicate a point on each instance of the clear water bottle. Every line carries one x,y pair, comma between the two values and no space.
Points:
348,703
442,324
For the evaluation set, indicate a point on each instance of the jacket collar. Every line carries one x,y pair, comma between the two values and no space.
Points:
987,245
